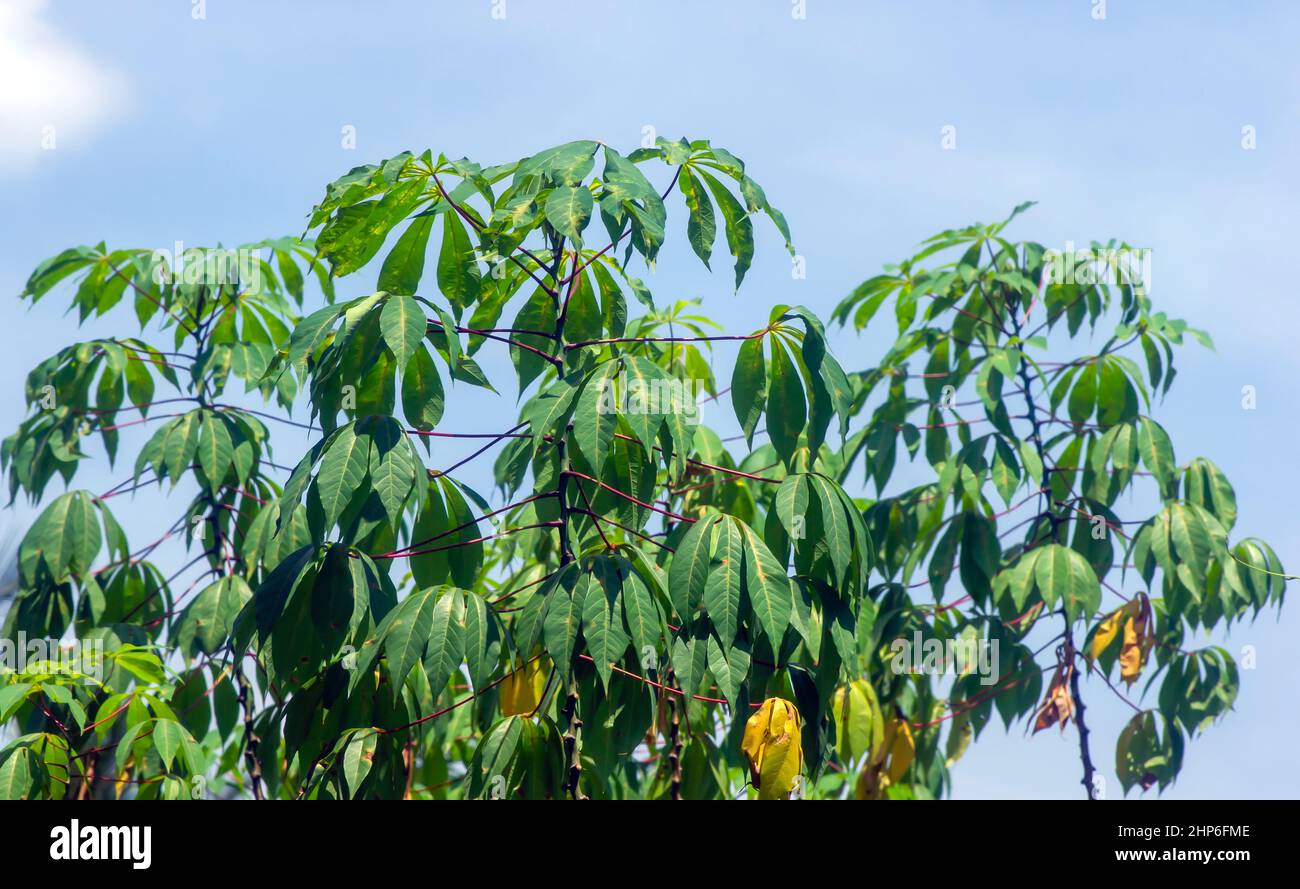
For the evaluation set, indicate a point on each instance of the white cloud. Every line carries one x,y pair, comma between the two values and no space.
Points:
48,82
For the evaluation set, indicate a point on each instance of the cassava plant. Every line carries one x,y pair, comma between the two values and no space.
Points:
1029,458
641,608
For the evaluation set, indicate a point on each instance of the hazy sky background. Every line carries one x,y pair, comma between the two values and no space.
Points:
226,128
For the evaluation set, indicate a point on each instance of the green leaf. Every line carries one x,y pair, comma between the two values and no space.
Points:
430,565
404,265
834,525
786,407
495,756
791,503
729,665
311,331
690,566
1157,453
1029,459
538,313
563,618
482,641
358,757
403,324
423,397
595,417
701,227
1006,471
641,615
446,645
342,471
466,559
722,588
208,620
65,537
602,618
566,164
408,632
18,773
749,386
568,210
1063,576
1083,397
459,277
690,660
1197,538
739,227
271,596
167,737
767,584
215,450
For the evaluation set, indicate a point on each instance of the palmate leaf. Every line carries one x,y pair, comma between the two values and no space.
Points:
209,619
65,539
1064,577
602,617
215,449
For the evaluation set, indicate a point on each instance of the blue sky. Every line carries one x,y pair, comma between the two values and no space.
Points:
225,128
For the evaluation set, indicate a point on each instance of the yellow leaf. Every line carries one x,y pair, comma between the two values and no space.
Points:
871,784
774,748
902,750
858,721
959,738
782,763
752,743
521,691
1105,633
1138,639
